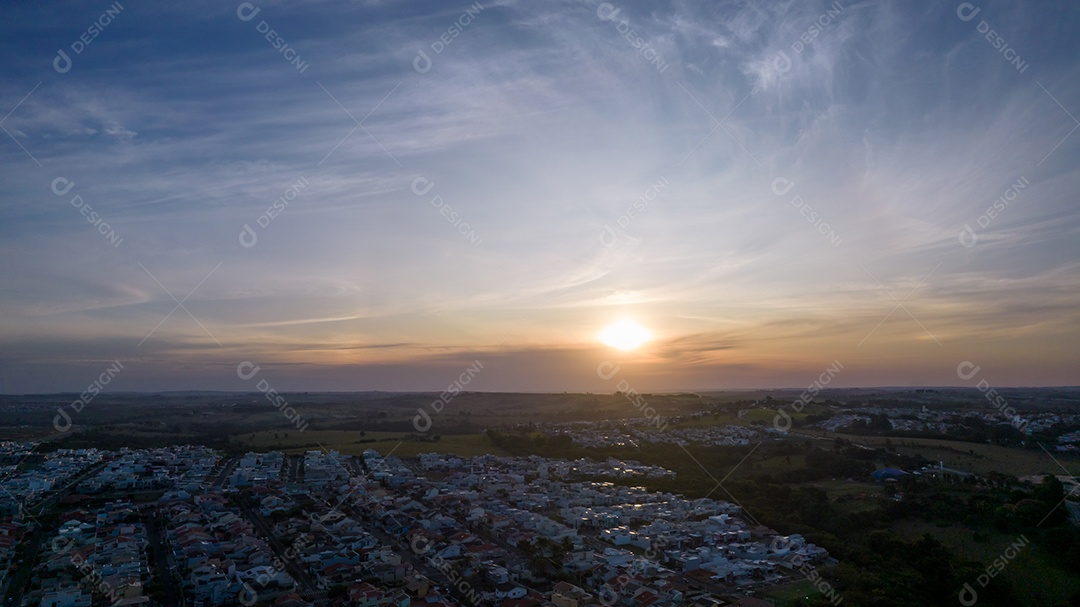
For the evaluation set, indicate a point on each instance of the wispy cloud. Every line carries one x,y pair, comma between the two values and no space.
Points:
537,125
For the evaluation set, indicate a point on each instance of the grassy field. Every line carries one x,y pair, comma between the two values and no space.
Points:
768,415
979,458
1038,580
781,463
786,594
354,443
982,458
29,433
851,496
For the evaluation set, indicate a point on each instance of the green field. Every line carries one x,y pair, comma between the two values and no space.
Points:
980,458
1041,581
786,595
768,415
355,442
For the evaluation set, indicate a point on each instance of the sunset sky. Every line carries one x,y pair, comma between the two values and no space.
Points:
760,188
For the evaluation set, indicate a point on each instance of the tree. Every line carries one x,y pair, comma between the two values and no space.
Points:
1050,490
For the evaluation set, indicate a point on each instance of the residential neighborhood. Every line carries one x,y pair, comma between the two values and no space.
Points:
187,526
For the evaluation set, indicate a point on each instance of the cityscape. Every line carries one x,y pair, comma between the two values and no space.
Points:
540,303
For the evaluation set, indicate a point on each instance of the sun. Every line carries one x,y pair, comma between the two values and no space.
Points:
624,335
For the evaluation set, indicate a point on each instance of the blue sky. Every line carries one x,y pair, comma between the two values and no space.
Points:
767,187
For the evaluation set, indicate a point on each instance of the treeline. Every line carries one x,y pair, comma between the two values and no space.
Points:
970,429
537,443
877,566
445,424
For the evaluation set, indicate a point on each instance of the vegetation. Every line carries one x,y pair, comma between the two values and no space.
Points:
879,566
915,541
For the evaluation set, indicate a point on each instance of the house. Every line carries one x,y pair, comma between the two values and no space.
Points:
619,536
366,595
292,600
565,594
67,597
618,558
510,590
417,585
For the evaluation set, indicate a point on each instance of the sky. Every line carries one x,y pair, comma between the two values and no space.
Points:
383,195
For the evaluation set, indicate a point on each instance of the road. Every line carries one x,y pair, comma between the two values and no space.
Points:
59,493
419,563
223,475
293,468
295,570
21,575
161,557
32,543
